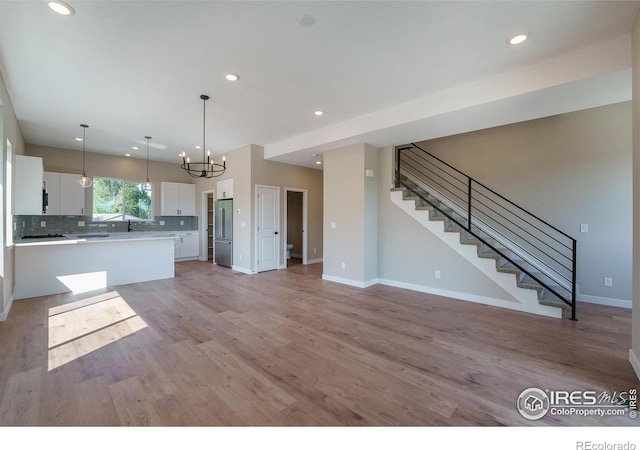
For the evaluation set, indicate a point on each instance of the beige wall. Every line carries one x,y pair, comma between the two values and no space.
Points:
238,169
634,354
349,204
569,169
248,168
408,254
101,165
10,130
270,173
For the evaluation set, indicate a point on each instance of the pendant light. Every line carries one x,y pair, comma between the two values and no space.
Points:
84,181
206,168
147,184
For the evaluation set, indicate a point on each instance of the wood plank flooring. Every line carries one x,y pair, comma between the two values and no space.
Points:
213,347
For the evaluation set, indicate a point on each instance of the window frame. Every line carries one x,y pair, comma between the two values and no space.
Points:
124,212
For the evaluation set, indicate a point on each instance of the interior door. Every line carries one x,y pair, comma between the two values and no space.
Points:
268,228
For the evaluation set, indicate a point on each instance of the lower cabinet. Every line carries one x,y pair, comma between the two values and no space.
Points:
186,245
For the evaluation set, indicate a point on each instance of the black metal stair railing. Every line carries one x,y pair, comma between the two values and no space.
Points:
543,253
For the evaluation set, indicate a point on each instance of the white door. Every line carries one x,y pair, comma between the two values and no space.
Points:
268,228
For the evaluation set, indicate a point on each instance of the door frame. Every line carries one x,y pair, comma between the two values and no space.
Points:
305,223
204,225
257,219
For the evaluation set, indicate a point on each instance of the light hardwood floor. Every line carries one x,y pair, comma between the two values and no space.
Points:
213,347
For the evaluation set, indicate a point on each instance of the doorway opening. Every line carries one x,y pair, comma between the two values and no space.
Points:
207,231
295,226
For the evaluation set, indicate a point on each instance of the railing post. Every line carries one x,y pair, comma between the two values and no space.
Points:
470,180
573,282
397,183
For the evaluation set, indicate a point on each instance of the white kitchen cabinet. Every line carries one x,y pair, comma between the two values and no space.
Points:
66,196
224,189
52,186
27,185
186,245
71,195
177,199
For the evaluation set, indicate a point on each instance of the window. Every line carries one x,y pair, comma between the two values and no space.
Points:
8,207
115,199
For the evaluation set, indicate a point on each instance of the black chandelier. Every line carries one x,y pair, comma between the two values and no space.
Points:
206,168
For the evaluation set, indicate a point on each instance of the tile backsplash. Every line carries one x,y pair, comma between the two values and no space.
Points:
32,225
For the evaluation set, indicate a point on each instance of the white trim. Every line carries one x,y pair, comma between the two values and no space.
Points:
305,223
349,282
204,222
314,261
242,269
620,303
455,295
635,363
256,246
4,314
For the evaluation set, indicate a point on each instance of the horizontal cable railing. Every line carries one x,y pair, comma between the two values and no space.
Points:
543,252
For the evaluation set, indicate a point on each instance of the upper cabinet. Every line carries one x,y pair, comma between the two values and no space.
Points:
66,196
177,199
27,185
225,189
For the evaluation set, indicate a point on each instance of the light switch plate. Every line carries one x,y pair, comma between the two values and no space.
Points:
584,228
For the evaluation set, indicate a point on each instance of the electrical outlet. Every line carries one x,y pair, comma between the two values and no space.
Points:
437,274
43,224
80,223
608,282
333,224
182,222
314,249
344,265
162,223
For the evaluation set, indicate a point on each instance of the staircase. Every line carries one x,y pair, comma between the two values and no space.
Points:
529,258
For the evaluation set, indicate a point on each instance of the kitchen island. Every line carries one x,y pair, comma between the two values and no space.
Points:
83,264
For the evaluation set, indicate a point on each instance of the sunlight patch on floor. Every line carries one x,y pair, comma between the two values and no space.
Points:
84,282
79,328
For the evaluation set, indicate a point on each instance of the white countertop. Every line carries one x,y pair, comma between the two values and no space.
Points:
98,238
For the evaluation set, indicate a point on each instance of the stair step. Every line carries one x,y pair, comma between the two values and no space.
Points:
424,201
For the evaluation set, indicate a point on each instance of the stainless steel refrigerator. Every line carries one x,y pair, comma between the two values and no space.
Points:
224,232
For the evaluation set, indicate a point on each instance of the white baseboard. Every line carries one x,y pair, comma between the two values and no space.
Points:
507,304
635,363
349,282
605,301
314,261
4,314
242,269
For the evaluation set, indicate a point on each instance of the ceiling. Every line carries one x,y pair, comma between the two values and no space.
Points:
131,69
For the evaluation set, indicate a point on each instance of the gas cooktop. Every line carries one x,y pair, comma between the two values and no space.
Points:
45,236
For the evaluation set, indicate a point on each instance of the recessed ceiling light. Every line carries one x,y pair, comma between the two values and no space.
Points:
306,20
127,154
519,39
232,76
198,147
318,112
79,139
318,162
135,148
62,8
